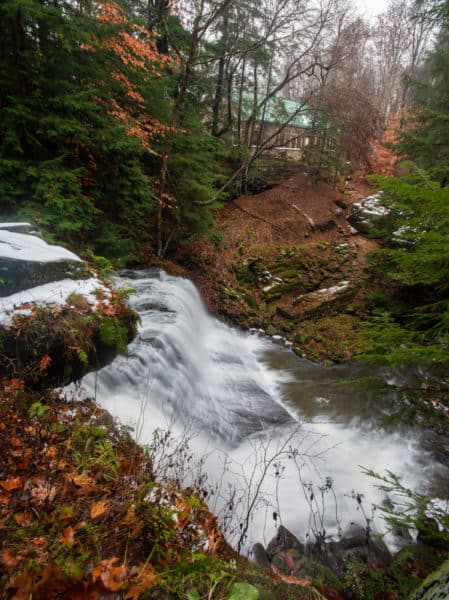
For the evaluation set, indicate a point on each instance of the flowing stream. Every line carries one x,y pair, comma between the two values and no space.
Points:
281,439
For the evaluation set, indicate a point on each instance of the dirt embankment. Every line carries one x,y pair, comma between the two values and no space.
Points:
290,263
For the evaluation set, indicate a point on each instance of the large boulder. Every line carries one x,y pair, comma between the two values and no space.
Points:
369,214
27,261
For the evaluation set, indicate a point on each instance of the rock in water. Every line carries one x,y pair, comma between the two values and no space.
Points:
260,557
284,540
27,261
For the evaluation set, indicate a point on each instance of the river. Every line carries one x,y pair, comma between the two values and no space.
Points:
280,439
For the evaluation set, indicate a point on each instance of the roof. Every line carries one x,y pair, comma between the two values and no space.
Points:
278,110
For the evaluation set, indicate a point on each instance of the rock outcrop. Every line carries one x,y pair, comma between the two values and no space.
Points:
368,214
27,261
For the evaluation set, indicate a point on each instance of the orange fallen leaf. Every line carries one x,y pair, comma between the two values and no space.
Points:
130,516
99,508
23,519
51,451
146,578
43,491
292,579
39,541
15,442
69,535
44,362
13,483
9,560
81,480
111,577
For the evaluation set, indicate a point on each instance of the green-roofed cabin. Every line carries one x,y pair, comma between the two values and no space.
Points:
292,138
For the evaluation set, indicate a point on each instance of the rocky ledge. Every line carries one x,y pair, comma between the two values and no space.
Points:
27,261
57,318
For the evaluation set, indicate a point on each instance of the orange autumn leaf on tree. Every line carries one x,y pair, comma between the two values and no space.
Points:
134,57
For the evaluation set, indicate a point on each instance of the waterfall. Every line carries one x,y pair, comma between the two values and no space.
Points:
252,409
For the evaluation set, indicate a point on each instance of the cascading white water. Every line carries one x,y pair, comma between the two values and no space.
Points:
253,410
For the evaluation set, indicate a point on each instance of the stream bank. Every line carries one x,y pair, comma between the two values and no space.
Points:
289,262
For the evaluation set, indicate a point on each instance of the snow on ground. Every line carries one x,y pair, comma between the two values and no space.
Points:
53,294
335,289
372,205
14,225
26,247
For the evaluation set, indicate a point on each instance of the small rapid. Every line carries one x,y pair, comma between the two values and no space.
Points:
278,437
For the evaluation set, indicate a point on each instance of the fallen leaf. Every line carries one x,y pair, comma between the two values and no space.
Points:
146,578
23,519
43,491
13,483
111,577
45,362
15,442
99,508
41,542
9,560
51,451
81,480
69,535
292,579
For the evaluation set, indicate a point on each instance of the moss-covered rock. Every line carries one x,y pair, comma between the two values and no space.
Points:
436,586
55,345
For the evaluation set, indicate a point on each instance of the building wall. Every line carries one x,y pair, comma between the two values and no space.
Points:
291,140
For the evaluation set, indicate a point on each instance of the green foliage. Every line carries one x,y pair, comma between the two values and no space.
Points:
243,591
114,334
411,322
37,409
413,510
66,155
425,142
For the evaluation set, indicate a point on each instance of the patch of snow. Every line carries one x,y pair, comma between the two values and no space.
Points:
335,289
267,288
53,294
11,225
372,205
20,246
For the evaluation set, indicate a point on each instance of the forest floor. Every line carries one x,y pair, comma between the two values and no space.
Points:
281,254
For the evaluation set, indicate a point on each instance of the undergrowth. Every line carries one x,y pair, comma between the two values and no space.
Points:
51,345
83,514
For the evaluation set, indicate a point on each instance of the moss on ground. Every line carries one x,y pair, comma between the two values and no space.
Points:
276,290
